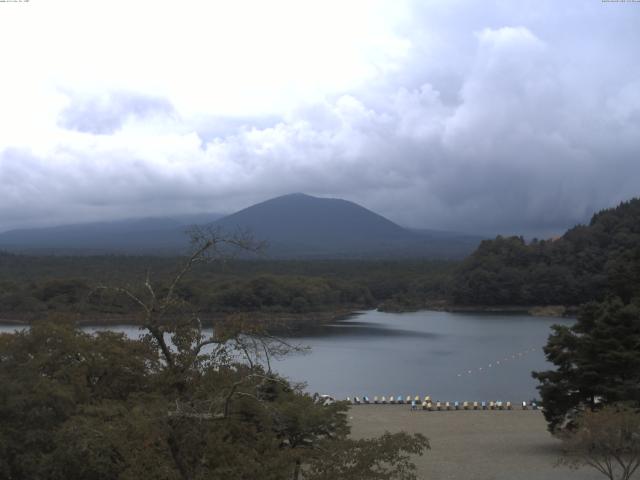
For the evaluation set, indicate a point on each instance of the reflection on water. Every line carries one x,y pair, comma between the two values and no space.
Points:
367,329
450,356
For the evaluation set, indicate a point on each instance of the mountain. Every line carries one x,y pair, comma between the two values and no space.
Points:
136,235
299,225
294,226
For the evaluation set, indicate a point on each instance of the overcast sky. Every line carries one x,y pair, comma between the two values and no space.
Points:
508,116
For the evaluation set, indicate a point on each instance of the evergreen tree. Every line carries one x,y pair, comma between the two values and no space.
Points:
597,360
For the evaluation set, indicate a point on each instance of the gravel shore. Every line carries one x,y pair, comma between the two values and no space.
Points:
482,445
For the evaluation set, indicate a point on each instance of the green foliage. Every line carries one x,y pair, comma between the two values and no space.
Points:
79,406
584,264
174,404
51,371
597,360
31,285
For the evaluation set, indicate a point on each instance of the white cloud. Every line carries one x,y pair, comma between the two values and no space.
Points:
437,114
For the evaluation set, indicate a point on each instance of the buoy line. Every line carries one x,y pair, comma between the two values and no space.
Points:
498,363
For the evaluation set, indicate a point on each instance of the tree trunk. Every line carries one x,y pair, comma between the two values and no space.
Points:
296,470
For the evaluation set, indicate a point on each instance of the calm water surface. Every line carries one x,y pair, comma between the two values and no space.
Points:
450,356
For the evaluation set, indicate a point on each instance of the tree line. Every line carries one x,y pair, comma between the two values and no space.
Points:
587,263
31,287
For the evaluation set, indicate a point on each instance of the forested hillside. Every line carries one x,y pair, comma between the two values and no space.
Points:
585,264
33,286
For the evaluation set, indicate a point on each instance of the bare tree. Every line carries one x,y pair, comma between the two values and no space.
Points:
175,328
607,440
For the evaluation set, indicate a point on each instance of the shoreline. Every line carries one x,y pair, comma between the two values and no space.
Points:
277,321
479,445
293,322
557,311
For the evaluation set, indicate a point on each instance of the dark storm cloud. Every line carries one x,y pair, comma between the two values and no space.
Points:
512,117
106,113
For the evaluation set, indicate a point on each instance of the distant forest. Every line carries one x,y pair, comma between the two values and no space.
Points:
31,286
585,264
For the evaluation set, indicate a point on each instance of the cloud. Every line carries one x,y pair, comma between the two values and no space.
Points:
482,118
107,112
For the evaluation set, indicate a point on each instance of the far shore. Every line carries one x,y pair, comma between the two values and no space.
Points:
559,311
478,445
286,321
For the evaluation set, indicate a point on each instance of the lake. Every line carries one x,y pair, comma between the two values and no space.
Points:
450,356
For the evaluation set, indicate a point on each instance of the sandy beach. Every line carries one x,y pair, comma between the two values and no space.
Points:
482,445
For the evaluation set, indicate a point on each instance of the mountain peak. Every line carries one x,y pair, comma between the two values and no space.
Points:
294,225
